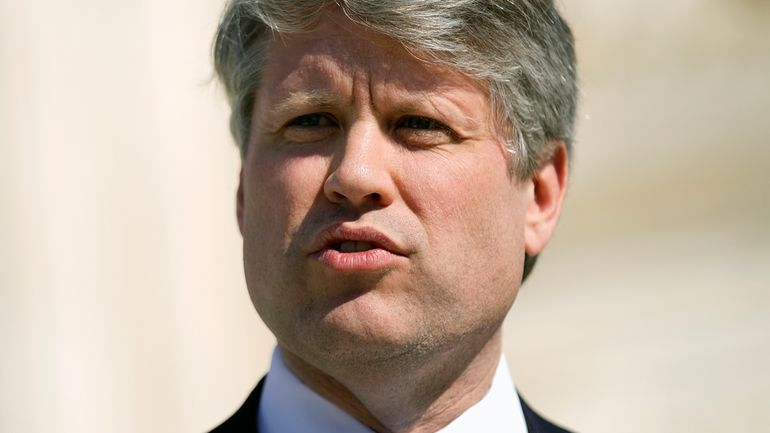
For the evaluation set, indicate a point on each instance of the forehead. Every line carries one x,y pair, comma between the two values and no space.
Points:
338,49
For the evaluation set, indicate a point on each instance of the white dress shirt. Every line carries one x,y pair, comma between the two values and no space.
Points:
289,406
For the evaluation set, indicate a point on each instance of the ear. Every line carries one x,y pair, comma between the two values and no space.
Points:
239,202
549,187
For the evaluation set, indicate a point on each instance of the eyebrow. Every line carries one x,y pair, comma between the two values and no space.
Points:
304,98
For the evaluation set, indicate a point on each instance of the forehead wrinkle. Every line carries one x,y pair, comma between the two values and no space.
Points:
315,70
427,80
313,80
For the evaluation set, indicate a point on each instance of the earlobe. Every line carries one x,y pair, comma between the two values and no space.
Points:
239,202
549,187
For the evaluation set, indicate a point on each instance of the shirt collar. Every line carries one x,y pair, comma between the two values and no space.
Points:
289,406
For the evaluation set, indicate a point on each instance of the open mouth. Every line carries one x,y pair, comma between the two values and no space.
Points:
353,246
341,248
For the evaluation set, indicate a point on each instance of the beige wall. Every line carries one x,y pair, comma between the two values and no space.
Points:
122,302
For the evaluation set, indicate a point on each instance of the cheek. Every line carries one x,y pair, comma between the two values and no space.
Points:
473,199
473,216
279,194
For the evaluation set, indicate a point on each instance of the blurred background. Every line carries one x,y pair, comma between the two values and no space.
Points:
122,301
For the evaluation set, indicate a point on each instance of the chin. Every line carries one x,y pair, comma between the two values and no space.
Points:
371,330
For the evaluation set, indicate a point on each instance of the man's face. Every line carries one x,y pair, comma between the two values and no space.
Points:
378,212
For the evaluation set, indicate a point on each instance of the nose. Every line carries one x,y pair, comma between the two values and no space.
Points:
360,175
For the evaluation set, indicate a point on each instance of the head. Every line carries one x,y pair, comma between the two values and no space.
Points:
403,163
521,50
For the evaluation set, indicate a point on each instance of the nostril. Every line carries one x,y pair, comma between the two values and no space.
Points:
357,191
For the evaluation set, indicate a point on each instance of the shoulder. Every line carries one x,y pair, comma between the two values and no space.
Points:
536,423
245,418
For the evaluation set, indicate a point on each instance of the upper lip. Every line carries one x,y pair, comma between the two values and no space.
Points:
342,232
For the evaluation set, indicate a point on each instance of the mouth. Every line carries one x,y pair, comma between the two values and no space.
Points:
346,248
351,246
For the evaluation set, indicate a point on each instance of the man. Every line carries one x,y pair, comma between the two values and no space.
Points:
403,164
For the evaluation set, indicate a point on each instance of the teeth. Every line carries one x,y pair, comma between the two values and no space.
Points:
354,246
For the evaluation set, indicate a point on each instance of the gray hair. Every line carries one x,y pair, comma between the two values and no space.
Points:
522,50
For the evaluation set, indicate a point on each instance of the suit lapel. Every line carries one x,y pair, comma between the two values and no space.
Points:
245,418
536,423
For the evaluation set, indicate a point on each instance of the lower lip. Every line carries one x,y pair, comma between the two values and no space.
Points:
370,260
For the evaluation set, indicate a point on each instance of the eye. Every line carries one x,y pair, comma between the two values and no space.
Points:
423,132
418,122
309,128
311,120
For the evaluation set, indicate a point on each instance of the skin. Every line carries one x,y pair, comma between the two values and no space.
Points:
350,128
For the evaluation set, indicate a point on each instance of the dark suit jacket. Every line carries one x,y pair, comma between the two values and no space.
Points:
245,418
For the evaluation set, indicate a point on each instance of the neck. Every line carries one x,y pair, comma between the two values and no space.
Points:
420,397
